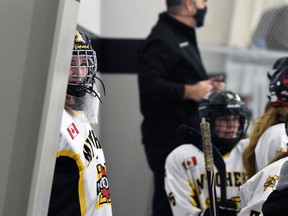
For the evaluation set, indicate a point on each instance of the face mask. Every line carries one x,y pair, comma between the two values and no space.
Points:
200,16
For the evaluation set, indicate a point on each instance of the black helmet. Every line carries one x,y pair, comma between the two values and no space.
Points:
79,85
223,104
279,88
278,64
281,63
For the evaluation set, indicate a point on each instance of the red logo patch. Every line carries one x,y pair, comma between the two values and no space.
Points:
73,131
190,162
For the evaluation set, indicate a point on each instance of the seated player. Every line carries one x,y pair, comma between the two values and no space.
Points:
185,180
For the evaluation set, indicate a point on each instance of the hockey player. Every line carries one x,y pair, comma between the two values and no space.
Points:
268,133
272,143
185,180
80,185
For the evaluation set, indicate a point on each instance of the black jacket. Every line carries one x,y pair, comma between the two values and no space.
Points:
168,59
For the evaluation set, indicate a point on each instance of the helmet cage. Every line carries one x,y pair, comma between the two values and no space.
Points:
81,82
91,65
222,142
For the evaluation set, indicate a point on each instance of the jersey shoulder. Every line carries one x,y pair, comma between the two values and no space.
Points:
183,153
274,131
275,135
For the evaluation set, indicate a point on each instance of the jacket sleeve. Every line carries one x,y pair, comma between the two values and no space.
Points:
157,72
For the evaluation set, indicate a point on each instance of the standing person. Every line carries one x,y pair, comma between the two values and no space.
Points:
80,185
185,180
172,80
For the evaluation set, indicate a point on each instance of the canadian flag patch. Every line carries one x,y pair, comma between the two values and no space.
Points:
190,162
73,131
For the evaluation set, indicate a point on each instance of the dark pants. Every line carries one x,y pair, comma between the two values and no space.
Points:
276,203
156,156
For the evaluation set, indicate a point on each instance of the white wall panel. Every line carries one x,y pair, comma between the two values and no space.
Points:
129,18
90,15
35,57
128,172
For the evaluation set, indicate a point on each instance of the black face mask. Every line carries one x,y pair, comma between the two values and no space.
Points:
200,16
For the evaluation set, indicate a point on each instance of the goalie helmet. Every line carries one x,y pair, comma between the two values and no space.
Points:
224,104
81,92
83,67
278,88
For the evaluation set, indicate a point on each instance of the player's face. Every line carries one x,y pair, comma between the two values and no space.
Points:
78,69
227,126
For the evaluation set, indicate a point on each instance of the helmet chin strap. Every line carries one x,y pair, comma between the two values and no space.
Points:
91,91
81,90
225,145
75,90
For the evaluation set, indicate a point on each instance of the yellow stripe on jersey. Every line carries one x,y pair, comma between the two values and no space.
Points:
194,195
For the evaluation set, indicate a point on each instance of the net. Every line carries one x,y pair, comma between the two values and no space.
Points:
272,30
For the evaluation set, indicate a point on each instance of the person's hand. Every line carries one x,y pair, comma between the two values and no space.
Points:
217,83
228,208
197,91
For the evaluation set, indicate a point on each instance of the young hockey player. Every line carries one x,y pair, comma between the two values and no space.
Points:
185,180
80,185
